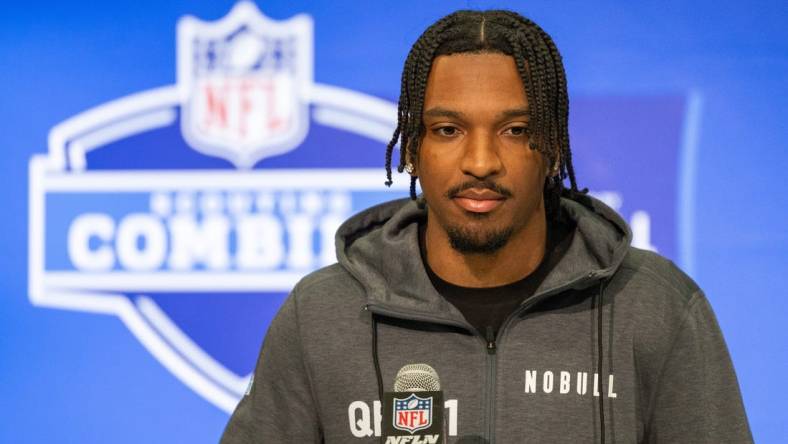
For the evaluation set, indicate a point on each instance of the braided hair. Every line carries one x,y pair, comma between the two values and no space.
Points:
541,70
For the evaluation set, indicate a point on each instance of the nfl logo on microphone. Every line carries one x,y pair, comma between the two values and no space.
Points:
413,417
413,413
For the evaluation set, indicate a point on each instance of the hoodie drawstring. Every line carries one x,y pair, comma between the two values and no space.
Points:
600,359
375,360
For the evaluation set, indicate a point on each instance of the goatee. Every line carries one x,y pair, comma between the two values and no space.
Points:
469,242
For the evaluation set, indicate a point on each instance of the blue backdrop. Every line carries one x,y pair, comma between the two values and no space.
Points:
678,112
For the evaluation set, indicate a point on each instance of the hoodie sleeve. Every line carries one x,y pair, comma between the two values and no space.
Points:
697,398
279,406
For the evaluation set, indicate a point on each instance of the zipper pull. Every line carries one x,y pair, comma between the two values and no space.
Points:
490,336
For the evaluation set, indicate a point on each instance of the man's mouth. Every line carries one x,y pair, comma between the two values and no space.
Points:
478,200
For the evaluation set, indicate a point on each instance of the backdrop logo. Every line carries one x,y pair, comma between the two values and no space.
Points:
246,82
169,208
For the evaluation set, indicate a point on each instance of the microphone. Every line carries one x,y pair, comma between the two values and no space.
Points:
413,412
417,378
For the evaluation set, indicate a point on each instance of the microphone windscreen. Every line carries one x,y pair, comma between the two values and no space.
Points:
417,378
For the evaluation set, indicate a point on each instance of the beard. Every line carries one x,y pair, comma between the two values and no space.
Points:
467,241
475,241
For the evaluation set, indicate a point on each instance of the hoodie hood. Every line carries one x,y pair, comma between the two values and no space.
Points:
380,248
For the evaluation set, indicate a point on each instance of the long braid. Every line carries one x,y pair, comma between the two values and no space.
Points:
402,109
549,120
562,106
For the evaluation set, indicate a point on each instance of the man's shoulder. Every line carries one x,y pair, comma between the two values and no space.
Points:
660,298
324,303
661,275
327,284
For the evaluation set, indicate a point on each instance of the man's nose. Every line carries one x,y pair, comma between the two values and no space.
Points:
481,156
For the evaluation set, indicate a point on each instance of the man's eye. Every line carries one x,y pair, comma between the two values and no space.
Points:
447,131
517,131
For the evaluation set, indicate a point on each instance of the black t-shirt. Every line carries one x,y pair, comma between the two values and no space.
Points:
487,308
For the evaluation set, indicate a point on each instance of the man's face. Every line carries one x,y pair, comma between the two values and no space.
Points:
482,182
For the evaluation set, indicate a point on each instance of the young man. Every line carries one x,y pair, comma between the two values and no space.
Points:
542,322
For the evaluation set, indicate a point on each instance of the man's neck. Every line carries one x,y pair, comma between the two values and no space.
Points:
521,255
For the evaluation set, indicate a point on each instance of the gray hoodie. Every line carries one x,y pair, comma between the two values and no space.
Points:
616,346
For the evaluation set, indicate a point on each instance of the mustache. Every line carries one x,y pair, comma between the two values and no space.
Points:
478,184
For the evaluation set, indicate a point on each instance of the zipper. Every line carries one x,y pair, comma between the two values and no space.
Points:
489,417
490,341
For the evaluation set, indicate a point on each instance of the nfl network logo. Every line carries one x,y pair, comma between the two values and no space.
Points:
413,413
172,208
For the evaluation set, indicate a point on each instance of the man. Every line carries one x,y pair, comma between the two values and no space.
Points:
542,322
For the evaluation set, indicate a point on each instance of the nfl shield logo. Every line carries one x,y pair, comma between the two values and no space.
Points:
413,413
244,83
